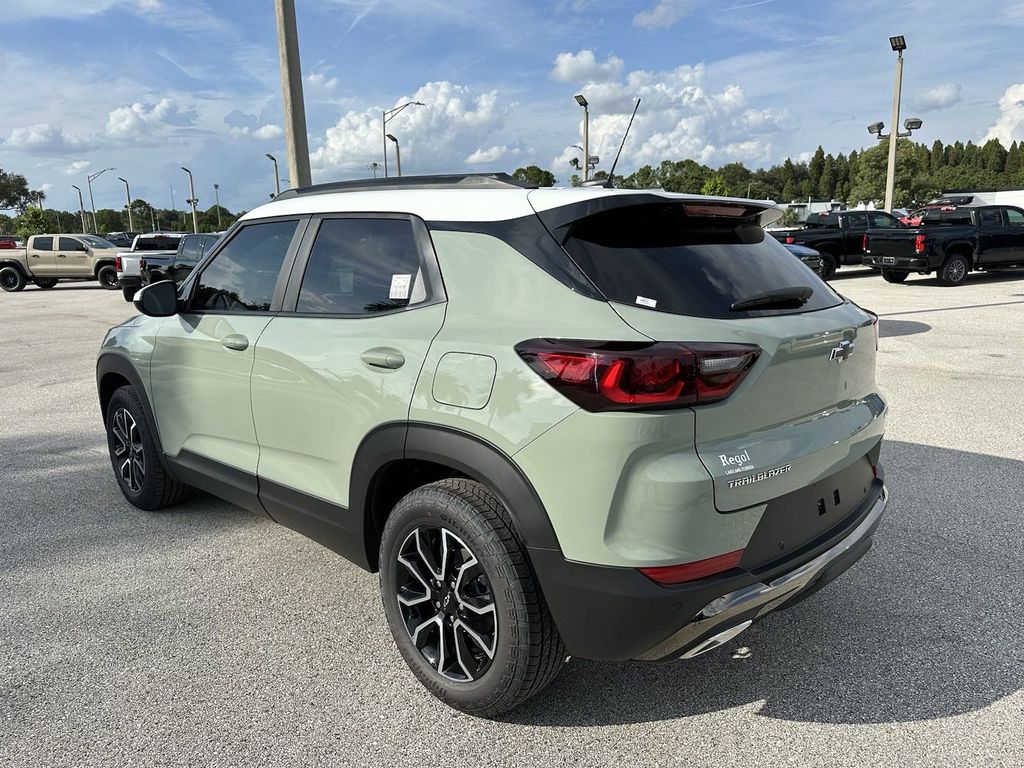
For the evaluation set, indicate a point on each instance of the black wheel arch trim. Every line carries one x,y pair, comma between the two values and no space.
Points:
16,264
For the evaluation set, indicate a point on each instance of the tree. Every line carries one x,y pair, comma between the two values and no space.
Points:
815,169
736,177
715,185
109,220
789,217
642,178
533,174
31,222
14,191
827,181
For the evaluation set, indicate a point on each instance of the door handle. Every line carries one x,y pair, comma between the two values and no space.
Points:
235,341
383,357
61,256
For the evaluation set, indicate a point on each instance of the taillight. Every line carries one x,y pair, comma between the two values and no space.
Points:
117,263
874,327
668,575
790,239
919,243
864,244
622,376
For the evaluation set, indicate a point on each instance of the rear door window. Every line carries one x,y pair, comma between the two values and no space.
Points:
191,249
881,221
43,244
363,266
857,220
991,218
244,275
658,257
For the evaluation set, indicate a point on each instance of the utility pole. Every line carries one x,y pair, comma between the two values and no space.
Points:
291,87
192,200
216,197
81,206
128,194
92,203
898,45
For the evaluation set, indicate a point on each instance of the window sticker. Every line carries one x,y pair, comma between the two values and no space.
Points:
400,285
643,301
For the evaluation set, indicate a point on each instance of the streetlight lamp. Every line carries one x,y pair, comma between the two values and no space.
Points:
386,117
586,134
216,198
277,176
81,206
92,203
898,43
128,194
373,167
398,154
192,200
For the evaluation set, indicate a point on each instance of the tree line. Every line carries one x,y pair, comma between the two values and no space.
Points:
922,172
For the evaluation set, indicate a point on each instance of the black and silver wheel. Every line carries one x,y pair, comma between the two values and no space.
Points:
462,602
134,456
828,267
11,279
45,283
892,276
107,276
954,270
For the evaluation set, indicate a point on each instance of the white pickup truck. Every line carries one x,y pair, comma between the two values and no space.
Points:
49,258
129,271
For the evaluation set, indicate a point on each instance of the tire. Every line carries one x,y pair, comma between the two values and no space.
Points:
11,279
143,480
107,276
829,265
516,651
45,283
954,270
128,293
892,276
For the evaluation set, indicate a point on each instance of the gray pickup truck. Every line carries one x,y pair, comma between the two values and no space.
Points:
50,258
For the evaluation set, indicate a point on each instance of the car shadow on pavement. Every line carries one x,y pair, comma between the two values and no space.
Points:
927,625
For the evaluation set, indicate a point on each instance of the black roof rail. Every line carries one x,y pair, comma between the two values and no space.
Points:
443,181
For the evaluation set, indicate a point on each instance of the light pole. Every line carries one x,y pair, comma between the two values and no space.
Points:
291,86
92,203
128,194
373,167
386,117
277,176
192,200
899,45
216,197
81,206
398,154
586,134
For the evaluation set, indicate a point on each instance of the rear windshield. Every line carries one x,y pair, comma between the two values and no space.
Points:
658,257
158,243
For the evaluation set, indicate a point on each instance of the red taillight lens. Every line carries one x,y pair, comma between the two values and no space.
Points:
667,575
864,244
919,243
619,376
117,263
790,239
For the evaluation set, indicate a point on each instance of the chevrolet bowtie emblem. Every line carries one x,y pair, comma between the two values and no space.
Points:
842,352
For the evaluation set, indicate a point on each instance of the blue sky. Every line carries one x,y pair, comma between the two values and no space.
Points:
150,85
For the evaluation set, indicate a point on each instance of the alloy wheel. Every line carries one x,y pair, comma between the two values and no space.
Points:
129,458
446,603
957,270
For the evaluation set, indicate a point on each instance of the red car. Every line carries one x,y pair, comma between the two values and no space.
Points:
8,242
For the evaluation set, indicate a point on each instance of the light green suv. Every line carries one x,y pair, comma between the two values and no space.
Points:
613,424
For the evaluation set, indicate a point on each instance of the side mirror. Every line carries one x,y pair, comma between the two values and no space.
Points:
158,299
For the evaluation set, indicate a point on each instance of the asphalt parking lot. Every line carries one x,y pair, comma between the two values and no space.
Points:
208,635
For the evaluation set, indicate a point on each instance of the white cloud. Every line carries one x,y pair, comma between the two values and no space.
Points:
583,67
434,137
483,156
19,10
664,14
43,138
135,121
320,80
75,168
1010,125
939,97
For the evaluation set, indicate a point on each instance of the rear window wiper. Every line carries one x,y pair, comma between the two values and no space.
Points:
780,298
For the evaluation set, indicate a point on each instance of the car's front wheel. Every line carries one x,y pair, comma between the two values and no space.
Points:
892,276
135,458
462,602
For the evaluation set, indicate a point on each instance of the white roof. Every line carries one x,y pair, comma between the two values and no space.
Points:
440,204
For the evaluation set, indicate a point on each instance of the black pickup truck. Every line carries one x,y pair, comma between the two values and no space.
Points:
176,266
952,242
839,236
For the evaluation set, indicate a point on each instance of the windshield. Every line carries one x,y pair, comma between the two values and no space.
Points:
156,243
658,257
96,242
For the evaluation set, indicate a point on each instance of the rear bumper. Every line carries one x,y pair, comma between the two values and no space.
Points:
898,263
617,613
129,281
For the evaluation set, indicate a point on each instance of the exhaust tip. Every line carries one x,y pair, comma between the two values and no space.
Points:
717,640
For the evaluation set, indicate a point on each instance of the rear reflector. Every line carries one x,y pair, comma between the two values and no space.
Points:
667,575
623,376
790,240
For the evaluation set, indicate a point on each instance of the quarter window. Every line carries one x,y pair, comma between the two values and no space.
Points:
243,275
362,266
